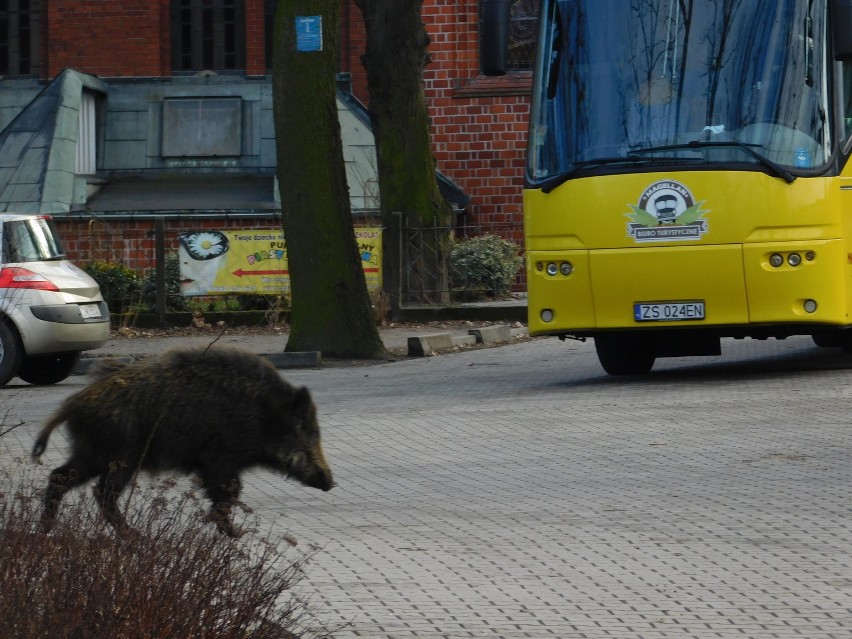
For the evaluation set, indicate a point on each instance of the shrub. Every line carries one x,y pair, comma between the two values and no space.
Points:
175,301
119,284
484,265
265,302
175,577
276,308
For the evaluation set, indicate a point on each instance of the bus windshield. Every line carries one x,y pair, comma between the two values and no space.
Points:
649,83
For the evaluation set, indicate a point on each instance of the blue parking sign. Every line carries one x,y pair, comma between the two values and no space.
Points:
309,33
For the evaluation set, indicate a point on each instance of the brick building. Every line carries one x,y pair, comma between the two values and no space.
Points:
479,124
162,109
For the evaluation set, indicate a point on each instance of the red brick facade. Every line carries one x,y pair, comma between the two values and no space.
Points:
109,39
479,125
255,38
133,242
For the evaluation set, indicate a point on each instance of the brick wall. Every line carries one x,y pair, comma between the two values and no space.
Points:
128,38
353,43
133,242
109,39
255,38
479,125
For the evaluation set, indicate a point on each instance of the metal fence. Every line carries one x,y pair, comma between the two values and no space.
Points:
425,271
429,275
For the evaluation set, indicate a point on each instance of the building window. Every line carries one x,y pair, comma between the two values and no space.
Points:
202,127
523,34
269,6
208,35
87,134
19,36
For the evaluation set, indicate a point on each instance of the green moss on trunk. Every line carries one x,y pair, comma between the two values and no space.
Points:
395,58
331,308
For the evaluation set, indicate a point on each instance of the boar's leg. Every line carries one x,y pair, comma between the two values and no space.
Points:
109,487
222,489
74,472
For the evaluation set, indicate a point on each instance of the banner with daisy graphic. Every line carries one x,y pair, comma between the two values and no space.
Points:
254,262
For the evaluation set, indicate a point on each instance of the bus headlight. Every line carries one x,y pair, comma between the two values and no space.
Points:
546,315
794,259
566,268
776,260
810,306
552,269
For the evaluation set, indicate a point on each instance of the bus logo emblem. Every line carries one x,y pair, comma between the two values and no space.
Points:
666,212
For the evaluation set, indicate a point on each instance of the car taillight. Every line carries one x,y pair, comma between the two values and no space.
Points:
18,277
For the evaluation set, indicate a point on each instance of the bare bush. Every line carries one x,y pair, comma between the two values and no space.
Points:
175,577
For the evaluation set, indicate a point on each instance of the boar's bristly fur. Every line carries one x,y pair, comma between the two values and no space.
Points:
212,412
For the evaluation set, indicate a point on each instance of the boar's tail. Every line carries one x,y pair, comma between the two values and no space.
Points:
44,435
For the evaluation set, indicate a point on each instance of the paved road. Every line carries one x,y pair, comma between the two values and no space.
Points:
520,492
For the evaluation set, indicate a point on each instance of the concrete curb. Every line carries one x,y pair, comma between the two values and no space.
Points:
488,334
512,311
424,345
307,359
418,346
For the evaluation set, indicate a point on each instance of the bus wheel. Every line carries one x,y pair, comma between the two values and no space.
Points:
830,339
624,355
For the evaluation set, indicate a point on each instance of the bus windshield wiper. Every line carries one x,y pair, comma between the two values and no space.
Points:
775,168
560,178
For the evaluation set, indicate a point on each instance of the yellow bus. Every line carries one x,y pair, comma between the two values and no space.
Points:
688,174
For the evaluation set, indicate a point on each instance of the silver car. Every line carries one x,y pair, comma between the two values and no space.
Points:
50,310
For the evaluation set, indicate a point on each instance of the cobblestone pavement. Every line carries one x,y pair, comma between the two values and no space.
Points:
520,492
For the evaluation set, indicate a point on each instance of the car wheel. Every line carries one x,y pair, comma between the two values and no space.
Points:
623,355
10,353
42,370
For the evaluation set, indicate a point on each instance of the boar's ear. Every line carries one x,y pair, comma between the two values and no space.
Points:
302,400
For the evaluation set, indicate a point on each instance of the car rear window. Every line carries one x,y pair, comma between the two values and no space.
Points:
31,240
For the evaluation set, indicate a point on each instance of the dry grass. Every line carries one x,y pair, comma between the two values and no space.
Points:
175,577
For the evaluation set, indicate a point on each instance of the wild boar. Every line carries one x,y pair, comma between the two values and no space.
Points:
212,412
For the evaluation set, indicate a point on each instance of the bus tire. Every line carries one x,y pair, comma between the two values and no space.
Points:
624,355
837,338
827,340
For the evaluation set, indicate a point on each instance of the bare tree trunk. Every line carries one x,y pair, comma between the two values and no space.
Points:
395,57
331,308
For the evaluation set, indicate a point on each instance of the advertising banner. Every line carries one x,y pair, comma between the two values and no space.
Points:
254,262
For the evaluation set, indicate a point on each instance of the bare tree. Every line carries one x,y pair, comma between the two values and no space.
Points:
331,308
395,58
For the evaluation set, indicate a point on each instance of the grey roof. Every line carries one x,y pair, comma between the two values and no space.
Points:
38,155
38,147
185,192
450,191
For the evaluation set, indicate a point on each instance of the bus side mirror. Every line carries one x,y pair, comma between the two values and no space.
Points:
841,28
494,39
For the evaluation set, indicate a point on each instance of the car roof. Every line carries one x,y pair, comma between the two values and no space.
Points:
15,217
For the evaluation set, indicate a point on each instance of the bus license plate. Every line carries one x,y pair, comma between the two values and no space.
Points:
668,311
90,311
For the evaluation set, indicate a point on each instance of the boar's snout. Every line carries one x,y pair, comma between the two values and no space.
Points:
321,479
310,468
